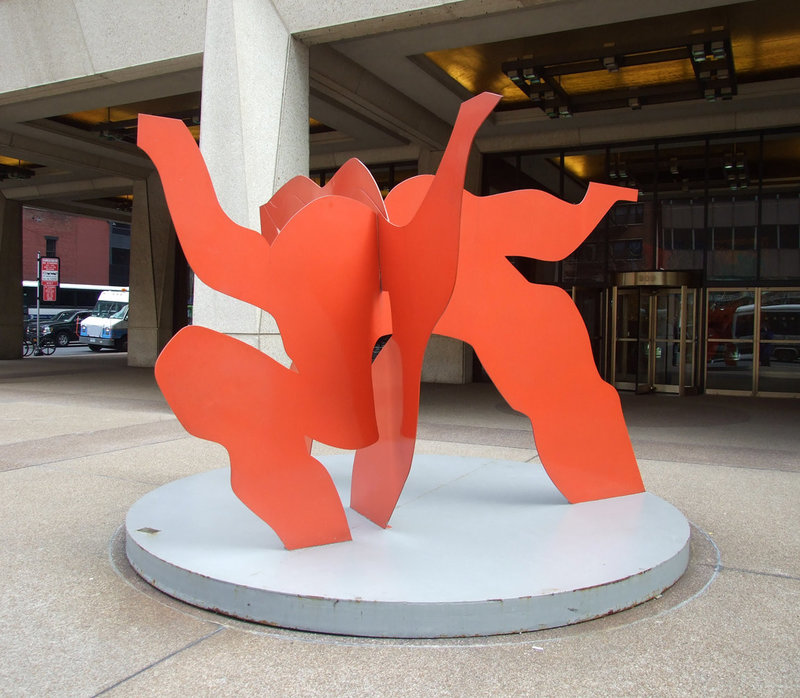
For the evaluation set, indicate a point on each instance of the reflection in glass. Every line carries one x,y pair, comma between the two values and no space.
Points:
626,363
589,302
683,234
667,365
630,322
729,349
779,345
732,253
668,334
628,315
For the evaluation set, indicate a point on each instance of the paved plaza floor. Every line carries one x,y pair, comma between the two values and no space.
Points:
84,437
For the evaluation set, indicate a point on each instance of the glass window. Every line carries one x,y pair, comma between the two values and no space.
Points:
589,302
703,205
627,214
540,172
729,345
779,237
587,265
779,344
781,166
500,174
682,234
404,170
383,177
627,249
732,253
580,168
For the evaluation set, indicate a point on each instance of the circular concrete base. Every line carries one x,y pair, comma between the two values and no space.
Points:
476,547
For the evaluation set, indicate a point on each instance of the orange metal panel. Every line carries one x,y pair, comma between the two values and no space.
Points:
419,258
337,272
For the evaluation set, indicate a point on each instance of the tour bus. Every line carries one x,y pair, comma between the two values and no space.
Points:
68,297
780,324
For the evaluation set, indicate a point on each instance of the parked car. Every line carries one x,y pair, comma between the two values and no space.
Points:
62,328
112,332
29,325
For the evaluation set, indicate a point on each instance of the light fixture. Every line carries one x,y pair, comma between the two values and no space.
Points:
718,49
550,104
698,52
712,77
611,64
530,76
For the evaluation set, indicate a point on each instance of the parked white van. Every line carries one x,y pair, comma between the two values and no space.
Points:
110,302
107,326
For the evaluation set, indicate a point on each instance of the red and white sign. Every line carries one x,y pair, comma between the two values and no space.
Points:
49,277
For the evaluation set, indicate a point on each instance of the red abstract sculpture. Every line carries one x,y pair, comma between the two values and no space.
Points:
338,269
548,375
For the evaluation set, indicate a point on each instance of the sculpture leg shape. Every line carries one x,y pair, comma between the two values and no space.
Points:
537,352
381,469
226,391
418,260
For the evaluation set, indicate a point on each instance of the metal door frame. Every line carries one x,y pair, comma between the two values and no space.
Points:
684,344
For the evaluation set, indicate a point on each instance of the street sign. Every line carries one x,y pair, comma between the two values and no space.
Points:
49,277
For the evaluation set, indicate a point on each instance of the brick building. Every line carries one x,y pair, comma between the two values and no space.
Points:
80,242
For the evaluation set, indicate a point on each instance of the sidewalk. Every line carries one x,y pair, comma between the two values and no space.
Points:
82,438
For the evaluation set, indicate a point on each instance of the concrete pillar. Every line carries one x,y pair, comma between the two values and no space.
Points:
449,360
254,137
152,276
10,279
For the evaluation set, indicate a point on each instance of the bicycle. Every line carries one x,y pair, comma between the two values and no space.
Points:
43,346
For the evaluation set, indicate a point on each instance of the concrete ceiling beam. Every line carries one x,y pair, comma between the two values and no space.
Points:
84,208
345,82
47,147
351,129
100,187
390,55
100,91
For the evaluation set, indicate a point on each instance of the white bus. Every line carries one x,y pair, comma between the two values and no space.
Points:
68,297
780,330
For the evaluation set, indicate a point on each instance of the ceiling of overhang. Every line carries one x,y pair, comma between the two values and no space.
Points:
408,84
665,60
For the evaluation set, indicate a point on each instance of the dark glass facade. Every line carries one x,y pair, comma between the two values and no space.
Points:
723,214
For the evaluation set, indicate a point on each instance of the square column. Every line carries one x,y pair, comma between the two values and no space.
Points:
254,137
152,281
10,279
